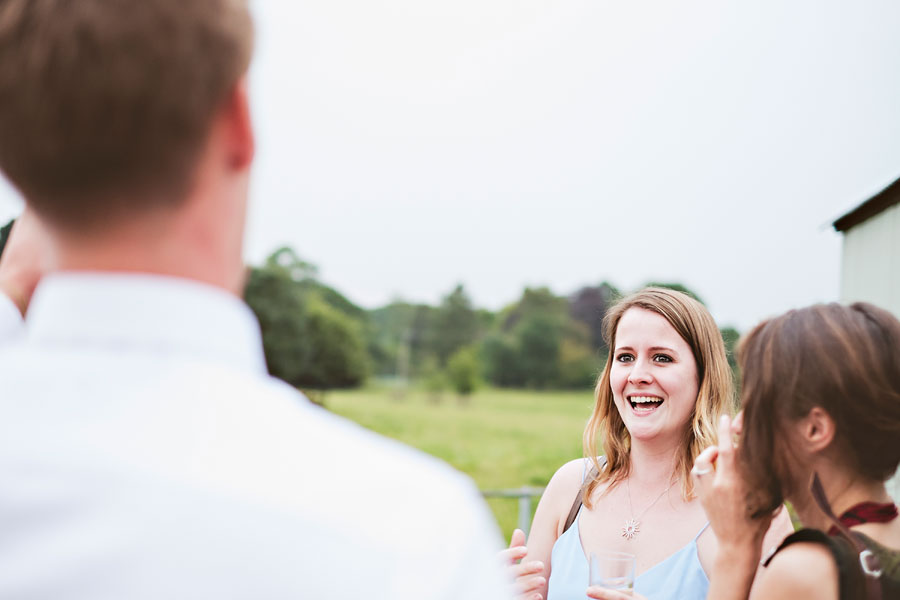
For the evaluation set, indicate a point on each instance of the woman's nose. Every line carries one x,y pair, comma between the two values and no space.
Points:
639,373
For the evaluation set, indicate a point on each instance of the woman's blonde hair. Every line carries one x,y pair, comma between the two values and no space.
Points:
715,391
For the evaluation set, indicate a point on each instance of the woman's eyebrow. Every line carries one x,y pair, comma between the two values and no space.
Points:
662,349
652,349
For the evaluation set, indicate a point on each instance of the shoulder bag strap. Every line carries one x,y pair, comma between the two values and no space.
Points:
579,497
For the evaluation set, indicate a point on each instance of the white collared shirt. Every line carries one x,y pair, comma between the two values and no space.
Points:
145,453
11,325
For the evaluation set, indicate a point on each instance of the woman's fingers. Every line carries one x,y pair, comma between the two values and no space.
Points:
517,549
726,443
705,462
704,471
512,555
528,576
600,593
529,568
737,426
527,585
517,538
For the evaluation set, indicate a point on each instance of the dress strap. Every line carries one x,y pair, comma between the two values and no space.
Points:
702,529
579,497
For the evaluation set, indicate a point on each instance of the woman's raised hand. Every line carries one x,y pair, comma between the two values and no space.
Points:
528,576
724,493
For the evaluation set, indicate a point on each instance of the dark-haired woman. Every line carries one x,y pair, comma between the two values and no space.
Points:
821,428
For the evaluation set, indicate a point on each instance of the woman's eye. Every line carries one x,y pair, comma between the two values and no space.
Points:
662,358
625,358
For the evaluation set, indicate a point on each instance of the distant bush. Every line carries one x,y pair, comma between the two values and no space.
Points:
313,337
462,370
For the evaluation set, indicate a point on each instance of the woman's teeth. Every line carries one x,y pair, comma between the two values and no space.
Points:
644,403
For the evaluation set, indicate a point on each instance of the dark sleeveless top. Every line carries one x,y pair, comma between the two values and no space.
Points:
850,575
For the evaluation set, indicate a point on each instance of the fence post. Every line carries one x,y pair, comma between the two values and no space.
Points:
524,494
525,511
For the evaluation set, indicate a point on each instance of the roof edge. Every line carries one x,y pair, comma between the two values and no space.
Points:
875,205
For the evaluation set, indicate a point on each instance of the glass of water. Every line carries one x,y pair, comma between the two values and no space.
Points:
611,570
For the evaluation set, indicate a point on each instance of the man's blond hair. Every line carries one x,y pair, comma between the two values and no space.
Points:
105,105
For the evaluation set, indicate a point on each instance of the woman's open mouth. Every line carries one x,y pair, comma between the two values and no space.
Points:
644,405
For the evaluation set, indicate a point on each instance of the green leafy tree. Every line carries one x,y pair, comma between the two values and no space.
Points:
501,360
462,371
534,301
399,334
311,336
433,379
286,261
589,305
389,336
280,307
455,324
730,336
525,347
579,366
338,357
539,337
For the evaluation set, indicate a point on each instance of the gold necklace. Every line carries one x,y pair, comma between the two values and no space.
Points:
633,525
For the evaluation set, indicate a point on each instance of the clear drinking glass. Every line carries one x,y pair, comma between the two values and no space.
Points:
611,570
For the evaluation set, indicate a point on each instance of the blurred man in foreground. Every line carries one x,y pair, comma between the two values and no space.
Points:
144,452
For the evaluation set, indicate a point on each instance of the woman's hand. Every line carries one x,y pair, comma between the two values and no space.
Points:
528,576
600,593
723,494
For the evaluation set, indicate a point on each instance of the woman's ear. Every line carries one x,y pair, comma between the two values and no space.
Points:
817,430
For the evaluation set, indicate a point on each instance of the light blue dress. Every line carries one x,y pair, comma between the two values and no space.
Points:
679,577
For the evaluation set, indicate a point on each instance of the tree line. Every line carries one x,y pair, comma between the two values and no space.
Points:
316,339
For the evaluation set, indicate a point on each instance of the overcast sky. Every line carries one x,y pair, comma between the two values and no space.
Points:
406,145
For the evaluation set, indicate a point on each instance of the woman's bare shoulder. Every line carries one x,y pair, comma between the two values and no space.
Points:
552,510
801,570
568,478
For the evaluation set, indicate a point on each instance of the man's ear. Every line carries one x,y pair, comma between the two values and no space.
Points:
817,430
241,144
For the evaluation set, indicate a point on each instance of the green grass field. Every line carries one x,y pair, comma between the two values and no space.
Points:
500,438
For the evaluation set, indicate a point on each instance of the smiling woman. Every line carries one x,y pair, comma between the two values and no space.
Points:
665,384
665,345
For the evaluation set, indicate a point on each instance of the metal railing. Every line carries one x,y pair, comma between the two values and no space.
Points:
524,494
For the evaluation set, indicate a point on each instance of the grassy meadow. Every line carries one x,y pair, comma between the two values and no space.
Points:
500,438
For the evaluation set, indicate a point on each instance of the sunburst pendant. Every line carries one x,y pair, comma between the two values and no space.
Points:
631,529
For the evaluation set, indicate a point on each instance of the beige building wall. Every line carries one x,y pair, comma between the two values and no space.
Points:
870,272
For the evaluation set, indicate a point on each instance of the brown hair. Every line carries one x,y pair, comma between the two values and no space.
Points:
843,359
105,105
715,394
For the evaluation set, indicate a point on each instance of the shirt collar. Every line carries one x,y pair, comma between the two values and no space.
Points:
145,312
